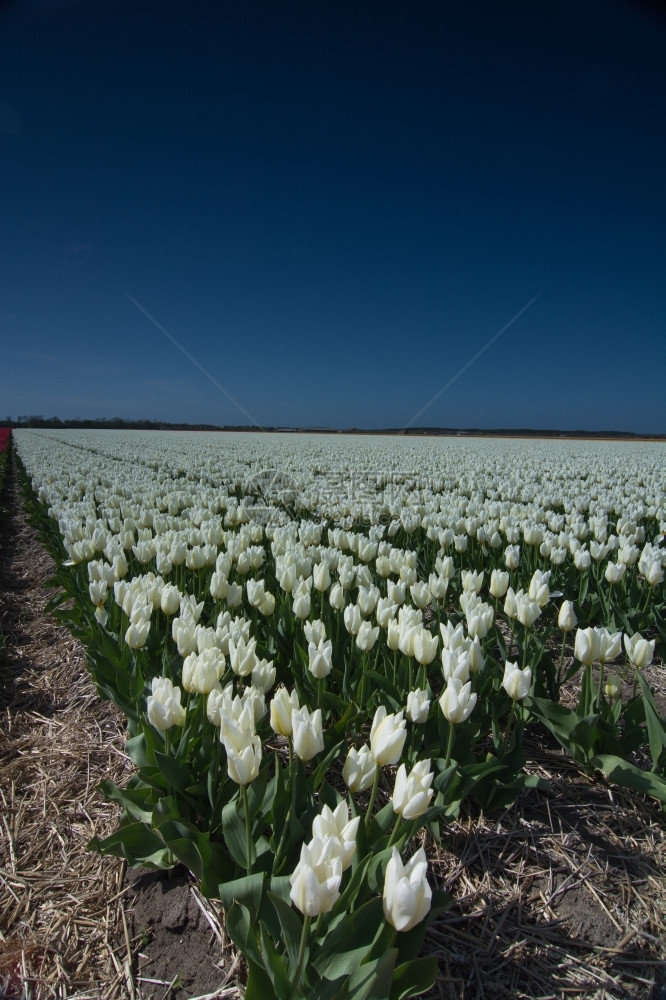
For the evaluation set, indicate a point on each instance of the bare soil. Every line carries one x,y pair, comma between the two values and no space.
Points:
561,896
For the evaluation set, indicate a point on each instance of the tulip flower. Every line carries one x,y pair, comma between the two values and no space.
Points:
412,792
353,618
471,580
320,658
218,703
315,882
566,619
336,823
639,650
512,556
612,686
137,634
425,646
407,896
359,769
263,675
282,705
367,636
243,765
314,631
367,599
587,645
170,600
218,586
614,572
202,671
418,706
499,582
457,701
516,682
455,663
387,736
609,645
321,576
242,656
163,706
582,560
307,733
538,589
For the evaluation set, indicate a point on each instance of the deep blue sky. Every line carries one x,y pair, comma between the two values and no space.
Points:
333,206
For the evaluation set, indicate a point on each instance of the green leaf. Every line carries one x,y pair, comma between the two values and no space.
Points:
176,774
241,931
233,828
275,967
137,751
621,772
259,985
137,802
290,924
655,728
183,839
246,891
373,980
413,978
137,843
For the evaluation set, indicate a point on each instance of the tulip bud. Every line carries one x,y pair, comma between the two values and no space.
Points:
566,619
612,686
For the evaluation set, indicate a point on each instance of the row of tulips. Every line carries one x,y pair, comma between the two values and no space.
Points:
305,694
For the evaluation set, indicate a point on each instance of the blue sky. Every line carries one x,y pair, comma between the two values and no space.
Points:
333,207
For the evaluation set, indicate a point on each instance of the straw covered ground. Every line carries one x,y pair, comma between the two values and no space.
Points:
563,895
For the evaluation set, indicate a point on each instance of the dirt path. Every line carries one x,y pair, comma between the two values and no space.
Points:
61,934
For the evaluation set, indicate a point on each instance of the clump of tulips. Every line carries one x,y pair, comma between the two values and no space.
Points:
315,666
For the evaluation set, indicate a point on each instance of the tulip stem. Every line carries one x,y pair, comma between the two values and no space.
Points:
394,831
305,933
248,832
373,795
449,744
600,684
559,669
505,742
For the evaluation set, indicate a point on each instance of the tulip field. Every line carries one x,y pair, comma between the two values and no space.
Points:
327,648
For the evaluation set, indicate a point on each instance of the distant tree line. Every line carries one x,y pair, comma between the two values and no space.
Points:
120,423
